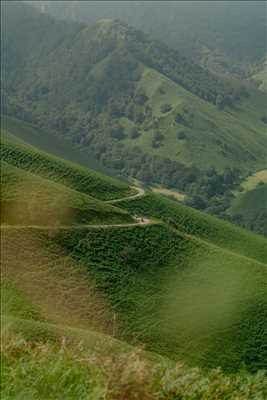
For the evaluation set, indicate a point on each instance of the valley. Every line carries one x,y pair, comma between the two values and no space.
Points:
133,201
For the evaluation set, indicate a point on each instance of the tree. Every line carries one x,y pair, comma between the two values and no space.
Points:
134,133
179,119
219,102
197,202
117,132
181,135
165,108
157,139
140,99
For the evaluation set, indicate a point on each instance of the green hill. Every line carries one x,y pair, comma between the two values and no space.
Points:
51,142
138,106
93,269
251,202
58,170
249,208
201,225
27,199
184,285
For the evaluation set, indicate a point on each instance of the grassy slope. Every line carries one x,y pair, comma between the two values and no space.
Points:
213,298
56,169
193,222
209,140
260,77
166,286
50,142
251,202
29,199
149,284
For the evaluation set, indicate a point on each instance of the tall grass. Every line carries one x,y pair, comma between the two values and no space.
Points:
45,371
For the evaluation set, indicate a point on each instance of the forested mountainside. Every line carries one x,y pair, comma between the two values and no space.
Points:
197,29
141,108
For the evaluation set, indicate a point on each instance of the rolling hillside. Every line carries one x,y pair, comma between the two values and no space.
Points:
138,271
206,227
52,143
109,290
28,199
74,176
52,368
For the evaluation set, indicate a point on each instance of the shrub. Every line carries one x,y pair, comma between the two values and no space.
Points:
181,135
134,133
165,108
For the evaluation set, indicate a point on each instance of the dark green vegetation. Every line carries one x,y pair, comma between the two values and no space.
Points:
181,296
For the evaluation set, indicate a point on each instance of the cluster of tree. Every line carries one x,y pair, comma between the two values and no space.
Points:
191,76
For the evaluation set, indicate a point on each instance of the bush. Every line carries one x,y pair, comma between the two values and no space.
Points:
134,133
140,99
181,135
165,108
157,139
179,119
117,132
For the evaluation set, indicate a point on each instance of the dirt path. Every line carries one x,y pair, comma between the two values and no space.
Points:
140,193
139,221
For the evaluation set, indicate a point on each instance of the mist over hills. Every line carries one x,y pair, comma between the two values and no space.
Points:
124,126
198,29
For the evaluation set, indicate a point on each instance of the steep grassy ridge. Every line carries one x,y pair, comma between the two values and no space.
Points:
56,169
41,283
28,199
49,141
193,222
179,295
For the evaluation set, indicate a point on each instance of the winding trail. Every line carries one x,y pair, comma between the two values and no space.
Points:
138,220
140,193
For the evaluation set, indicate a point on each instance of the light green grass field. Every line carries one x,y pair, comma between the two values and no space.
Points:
230,138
